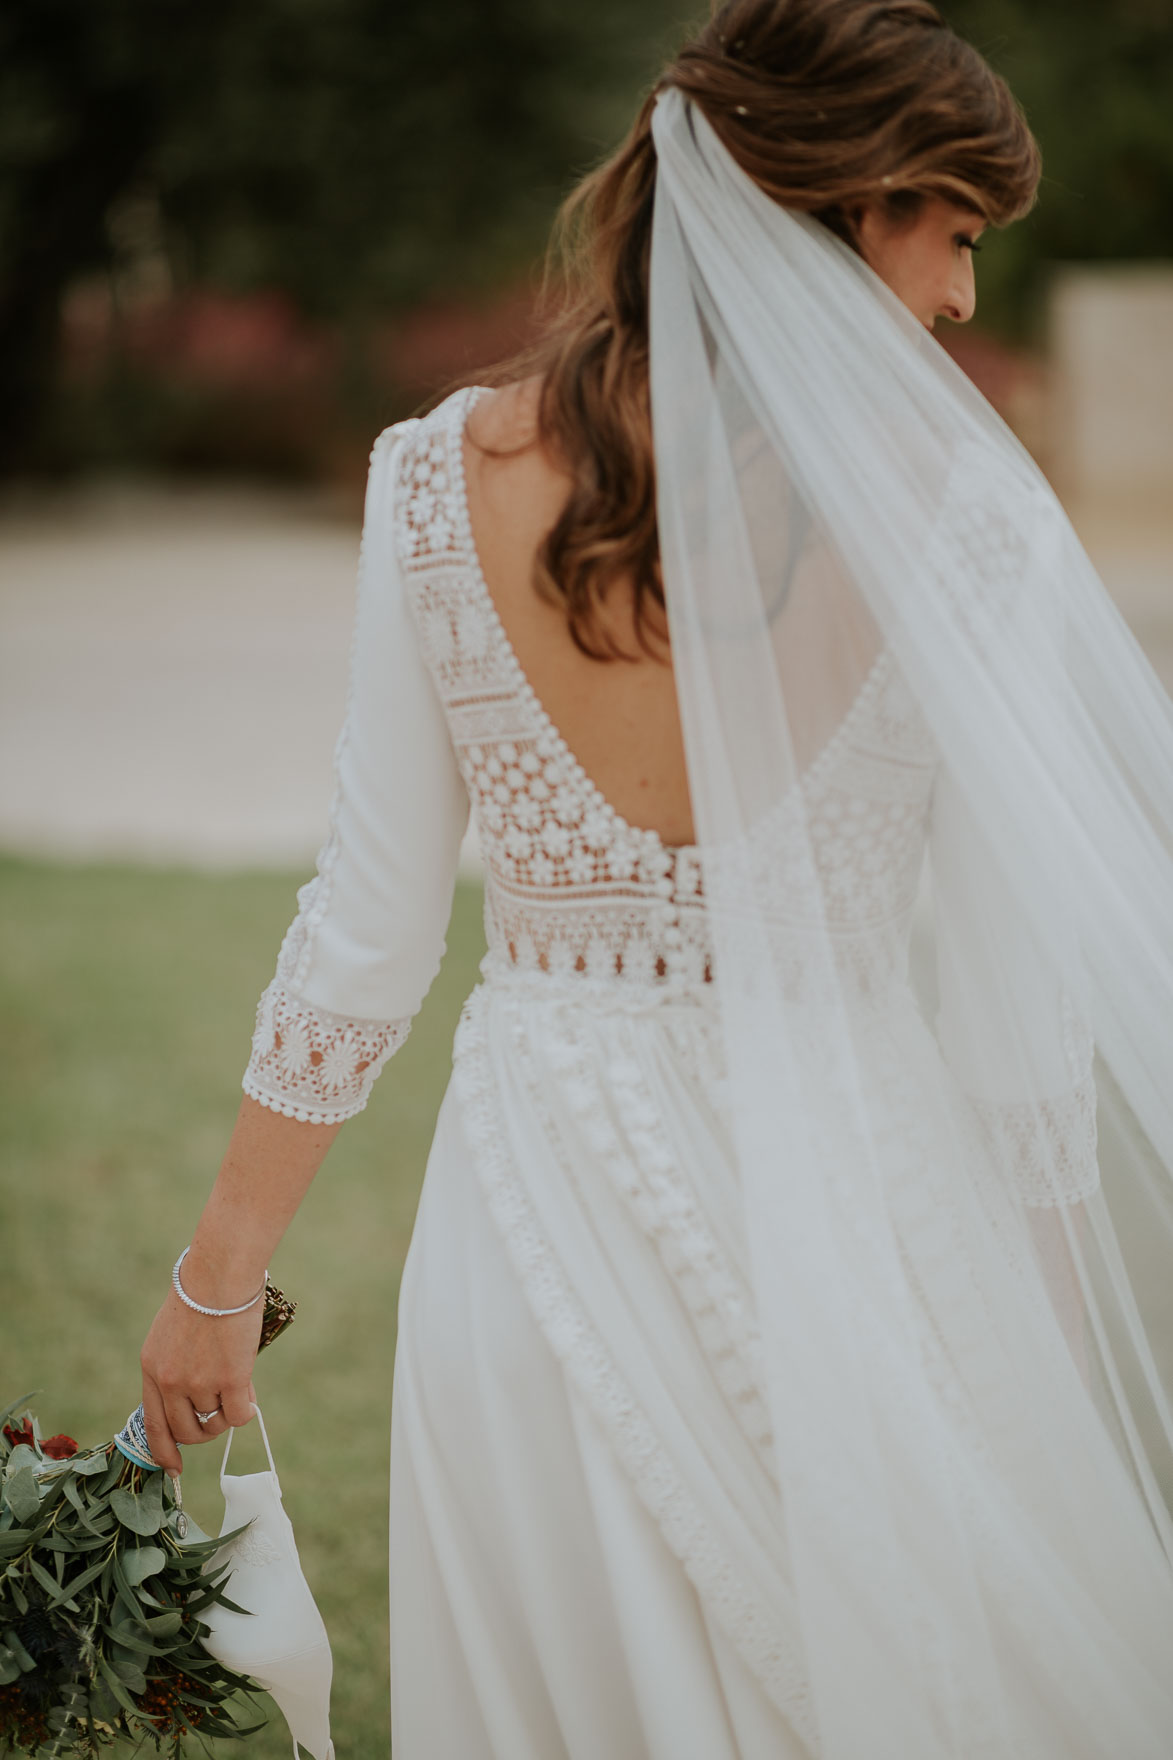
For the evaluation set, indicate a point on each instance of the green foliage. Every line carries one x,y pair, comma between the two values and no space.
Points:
100,1639
357,154
364,156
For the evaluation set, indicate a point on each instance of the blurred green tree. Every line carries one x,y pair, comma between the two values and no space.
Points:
359,154
1096,82
365,154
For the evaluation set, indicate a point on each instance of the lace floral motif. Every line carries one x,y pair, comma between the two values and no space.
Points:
307,1063
750,1622
572,889
639,1159
256,1550
312,1065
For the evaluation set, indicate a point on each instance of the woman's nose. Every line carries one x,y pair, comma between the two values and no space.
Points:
962,297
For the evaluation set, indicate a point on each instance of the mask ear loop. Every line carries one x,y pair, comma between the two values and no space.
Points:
268,1449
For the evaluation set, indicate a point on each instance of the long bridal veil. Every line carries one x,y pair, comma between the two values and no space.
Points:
956,1266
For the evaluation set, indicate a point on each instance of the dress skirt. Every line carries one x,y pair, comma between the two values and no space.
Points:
590,1553
537,1612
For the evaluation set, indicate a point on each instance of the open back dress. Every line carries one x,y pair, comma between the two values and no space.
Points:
588,1550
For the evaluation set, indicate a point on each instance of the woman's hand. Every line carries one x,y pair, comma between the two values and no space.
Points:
196,1362
192,1363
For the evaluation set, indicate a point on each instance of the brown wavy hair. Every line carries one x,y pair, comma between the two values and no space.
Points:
826,104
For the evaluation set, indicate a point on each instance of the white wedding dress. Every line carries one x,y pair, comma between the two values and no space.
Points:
588,1554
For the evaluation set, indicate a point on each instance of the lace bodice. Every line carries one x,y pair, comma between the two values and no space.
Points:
580,904
573,890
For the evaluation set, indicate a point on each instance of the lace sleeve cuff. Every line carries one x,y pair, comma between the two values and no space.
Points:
1048,1145
312,1065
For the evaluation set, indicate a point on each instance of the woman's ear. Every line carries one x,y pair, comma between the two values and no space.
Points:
862,216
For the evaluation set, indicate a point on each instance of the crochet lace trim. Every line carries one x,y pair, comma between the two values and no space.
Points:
312,1065
572,888
750,1623
1049,1145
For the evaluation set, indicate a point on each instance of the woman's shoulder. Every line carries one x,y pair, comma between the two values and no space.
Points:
500,421
505,415
509,465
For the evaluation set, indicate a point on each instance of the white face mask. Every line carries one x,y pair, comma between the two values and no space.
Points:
281,1641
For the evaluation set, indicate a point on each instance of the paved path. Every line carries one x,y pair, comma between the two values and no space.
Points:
173,666
172,672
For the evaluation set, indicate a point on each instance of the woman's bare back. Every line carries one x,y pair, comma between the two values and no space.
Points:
619,718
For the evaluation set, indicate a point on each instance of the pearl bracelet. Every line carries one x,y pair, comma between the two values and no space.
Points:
213,1313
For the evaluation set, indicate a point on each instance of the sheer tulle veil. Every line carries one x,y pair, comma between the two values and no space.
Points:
964,1355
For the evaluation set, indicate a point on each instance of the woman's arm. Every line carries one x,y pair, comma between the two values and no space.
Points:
354,967
190,1361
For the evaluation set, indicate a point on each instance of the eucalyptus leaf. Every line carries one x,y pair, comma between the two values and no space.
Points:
15,1648
20,1492
85,1541
10,1669
80,1582
112,1477
48,1583
126,1610
132,1638
74,1494
103,1704
202,1549
130,1674
164,1625
137,1512
116,1687
22,1456
140,1562
222,1600
86,1465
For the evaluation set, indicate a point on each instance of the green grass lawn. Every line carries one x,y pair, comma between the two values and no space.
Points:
126,1007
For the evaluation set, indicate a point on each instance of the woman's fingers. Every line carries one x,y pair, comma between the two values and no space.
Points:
181,1419
160,1440
216,1424
238,1407
193,1364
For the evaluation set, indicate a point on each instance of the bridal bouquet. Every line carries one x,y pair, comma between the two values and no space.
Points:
103,1579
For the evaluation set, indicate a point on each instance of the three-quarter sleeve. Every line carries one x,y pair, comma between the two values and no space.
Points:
368,937
1011,1033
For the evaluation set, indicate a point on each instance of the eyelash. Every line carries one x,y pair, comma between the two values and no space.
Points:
962,239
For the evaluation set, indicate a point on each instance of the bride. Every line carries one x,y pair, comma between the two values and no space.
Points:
772,1376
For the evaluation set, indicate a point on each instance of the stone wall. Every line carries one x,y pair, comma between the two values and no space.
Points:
1111,383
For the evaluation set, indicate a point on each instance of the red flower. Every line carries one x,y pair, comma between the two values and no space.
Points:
59,1448
23,1435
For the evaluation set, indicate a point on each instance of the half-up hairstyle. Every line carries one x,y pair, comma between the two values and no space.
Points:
825,104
